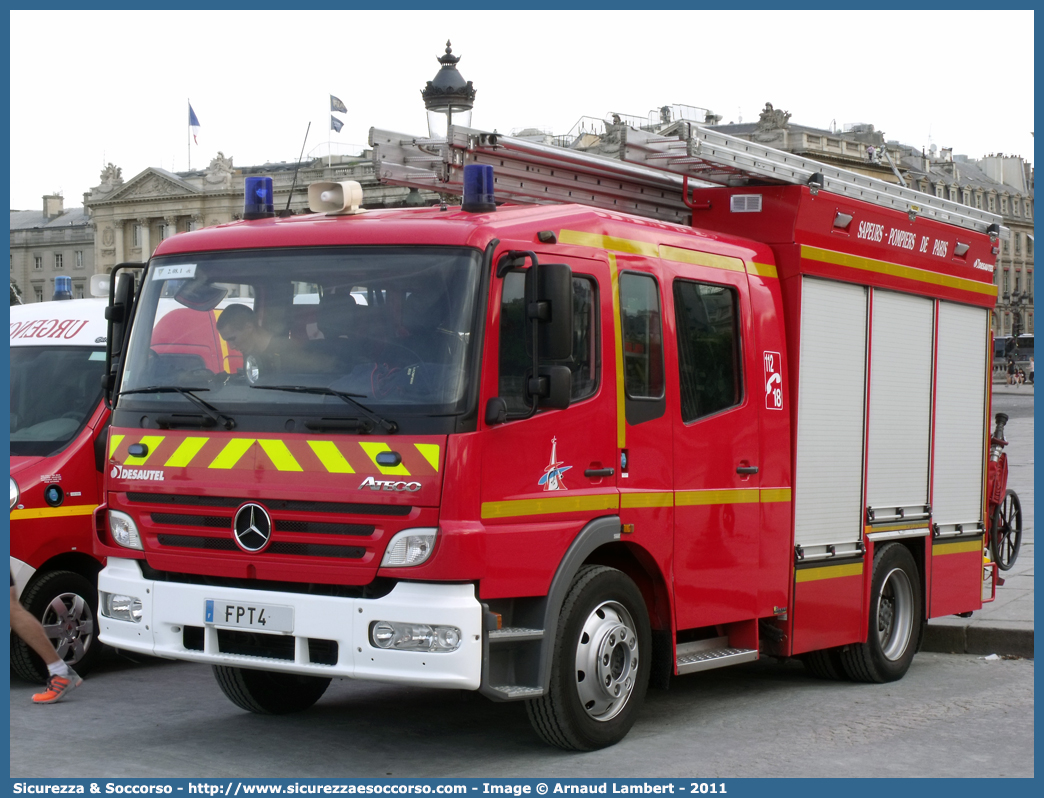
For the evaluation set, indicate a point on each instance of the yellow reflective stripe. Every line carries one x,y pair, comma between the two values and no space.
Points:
597,241
188,449
279,455
895,270
828,572
232,453
151,442
556,504
762,269
53,512
330,456
114,443
770,495
895,527
957,547
374,449
661,499
621,415
690,498
697,258
430,452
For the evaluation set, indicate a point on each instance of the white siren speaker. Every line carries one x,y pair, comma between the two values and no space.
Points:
335,198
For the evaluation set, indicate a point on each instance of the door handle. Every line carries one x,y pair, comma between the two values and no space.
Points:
599,472
746,469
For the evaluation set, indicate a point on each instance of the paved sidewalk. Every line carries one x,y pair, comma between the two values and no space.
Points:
1004,626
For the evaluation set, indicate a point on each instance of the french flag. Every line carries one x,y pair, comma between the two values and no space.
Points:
193,124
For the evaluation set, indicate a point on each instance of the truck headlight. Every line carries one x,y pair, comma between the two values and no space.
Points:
120,607
409,547
15,493
414,636
123,530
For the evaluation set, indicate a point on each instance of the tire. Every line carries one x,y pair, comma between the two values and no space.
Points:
269,692
67,606
1006,530
894,627
600,666
825,664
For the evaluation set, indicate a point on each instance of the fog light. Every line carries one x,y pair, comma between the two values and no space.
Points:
414,636
409,547
123,530
120,607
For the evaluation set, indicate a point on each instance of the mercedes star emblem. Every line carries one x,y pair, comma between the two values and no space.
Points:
252,527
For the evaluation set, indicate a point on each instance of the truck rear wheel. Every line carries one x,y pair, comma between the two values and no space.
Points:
600,667
67,606
825,664
895,623
269,692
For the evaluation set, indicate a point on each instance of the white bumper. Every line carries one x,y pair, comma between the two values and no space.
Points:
21,572
168,607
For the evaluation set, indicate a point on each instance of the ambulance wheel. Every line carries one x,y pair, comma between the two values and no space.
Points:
600,666
67,606
894,627
269,692
825,664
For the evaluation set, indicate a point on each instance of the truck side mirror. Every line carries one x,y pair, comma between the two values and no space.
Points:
118,313
550,302
553,386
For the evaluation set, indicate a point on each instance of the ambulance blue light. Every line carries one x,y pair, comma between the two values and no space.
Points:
478,188
62,287
259,202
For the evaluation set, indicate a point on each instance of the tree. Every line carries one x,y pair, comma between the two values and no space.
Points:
16,294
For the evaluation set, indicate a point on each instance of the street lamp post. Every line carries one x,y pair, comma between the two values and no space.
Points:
448,98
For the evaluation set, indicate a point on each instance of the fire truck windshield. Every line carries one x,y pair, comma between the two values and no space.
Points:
54,390
388,326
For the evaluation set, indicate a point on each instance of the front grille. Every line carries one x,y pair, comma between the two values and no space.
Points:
254,644
280,504
178,519
198,542
319,528
316,550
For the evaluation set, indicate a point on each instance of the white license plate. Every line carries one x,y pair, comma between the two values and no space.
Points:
243,615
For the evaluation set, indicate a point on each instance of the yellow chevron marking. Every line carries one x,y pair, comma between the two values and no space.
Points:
231,454
556,504
895,270
690,498
957,547
114,443
430,451
374,449
330,456
658,499
279,455
53,512
188,449
762,269
697,258
771,495
828,572
597,241
152,442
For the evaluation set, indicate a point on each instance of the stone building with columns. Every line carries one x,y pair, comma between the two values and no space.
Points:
48,243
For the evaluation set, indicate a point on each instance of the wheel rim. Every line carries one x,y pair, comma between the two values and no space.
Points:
606,661
895,614
1007,532
69,624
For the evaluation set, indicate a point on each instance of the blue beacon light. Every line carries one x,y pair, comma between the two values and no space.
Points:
478,189
259,202
62,287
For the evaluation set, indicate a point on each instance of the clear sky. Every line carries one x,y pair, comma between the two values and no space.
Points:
93,87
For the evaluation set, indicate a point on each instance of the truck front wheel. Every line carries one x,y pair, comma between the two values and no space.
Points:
600,667
269,692
895,622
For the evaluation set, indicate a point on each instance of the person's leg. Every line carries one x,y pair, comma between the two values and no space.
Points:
61,678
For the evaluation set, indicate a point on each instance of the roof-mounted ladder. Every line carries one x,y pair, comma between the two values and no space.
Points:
646,178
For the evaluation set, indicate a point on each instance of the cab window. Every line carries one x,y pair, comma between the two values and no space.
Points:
708,348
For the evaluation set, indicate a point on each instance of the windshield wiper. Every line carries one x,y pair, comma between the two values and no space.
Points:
208,409
387,426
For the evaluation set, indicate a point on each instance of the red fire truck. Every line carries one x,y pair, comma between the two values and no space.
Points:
552,452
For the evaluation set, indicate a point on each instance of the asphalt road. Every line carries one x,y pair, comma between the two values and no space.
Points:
951,716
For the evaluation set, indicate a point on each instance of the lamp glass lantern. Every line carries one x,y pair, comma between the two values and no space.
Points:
448,98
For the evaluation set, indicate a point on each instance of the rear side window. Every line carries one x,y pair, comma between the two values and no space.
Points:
516,360
641,327
708,348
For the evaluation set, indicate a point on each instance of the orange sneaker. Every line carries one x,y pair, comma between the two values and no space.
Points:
58,687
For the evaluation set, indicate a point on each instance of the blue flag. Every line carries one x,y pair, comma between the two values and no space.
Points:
336,124
337,105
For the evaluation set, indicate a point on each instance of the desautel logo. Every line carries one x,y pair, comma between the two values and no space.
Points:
122,472
379,484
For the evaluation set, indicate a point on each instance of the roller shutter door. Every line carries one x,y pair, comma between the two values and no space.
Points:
828,483
960,416
900,415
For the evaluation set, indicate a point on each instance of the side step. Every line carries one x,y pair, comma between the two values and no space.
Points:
702,655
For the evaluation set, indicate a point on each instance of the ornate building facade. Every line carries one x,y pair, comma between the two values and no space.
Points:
48,243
